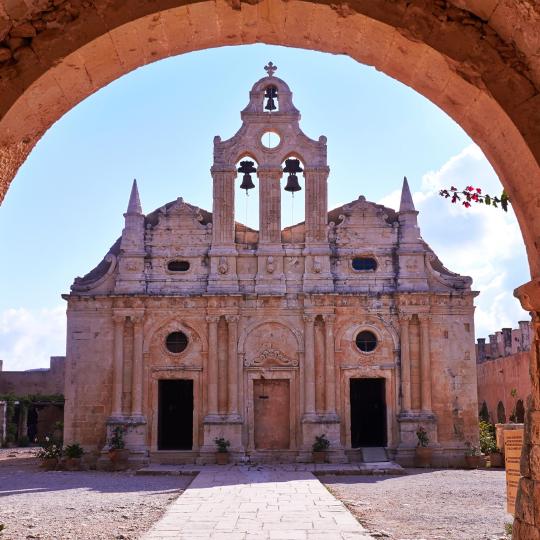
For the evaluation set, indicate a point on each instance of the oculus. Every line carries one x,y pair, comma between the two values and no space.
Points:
176,342
366,341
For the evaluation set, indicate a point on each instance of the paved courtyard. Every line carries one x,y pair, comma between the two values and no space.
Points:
257,503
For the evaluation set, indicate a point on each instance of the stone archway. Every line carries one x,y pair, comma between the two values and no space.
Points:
476,59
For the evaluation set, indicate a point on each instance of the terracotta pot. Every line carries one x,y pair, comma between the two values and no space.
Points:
119,458
73,464
496,459
422,456
319,457
222,458
472,462
49,464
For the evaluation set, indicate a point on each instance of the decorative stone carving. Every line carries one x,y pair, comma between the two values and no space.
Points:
269,356
270,265
223,266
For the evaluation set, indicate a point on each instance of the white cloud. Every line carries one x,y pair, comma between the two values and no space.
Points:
482,242
29,337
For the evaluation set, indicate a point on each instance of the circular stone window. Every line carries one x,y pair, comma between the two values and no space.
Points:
176,342
270,139
366,341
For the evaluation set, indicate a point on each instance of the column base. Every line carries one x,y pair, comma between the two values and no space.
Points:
410,421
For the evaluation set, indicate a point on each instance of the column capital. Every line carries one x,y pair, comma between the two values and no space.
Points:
223,169
323,169
329,318
309,317
212,318
404,318
137,319
269,171
425,317
232,318
118,319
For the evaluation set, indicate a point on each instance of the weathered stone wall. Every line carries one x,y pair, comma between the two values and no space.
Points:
45,382
498,377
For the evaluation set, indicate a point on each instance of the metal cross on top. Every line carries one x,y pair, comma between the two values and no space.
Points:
270,68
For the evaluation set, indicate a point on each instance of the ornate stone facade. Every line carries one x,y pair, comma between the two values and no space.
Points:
195,327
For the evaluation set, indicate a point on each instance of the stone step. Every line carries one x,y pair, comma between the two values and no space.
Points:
173,457
375,454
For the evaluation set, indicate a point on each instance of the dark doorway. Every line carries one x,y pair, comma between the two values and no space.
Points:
175,414
368,413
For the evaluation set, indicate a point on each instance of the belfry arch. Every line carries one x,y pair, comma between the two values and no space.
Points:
478,61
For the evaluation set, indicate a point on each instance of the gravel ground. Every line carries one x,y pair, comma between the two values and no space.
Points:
79,505
428,504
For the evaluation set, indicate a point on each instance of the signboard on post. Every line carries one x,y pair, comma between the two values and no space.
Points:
513,442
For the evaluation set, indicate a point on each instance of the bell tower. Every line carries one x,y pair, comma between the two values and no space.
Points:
270,114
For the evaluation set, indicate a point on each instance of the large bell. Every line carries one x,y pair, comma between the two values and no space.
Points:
292,183
270,94
292,166
247,168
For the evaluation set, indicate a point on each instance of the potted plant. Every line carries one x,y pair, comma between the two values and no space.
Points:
73,453
472,456
222,454
423,452
488,444
49,454
319,449
118,453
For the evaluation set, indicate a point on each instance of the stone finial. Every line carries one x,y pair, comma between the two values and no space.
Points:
134,205
270,69
406,204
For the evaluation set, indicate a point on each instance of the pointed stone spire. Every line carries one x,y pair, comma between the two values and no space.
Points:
407,204
134,205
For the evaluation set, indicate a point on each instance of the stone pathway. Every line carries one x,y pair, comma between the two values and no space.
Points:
257,503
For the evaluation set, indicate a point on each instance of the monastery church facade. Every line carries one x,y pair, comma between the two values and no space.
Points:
195,327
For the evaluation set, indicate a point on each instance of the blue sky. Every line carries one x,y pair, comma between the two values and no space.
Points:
156,124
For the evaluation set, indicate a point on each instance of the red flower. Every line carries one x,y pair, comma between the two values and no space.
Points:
478,190
469,188
466,204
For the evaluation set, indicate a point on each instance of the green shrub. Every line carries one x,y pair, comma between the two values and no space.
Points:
488,442
73,450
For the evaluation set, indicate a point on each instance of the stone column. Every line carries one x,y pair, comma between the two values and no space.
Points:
269,206
137,371
309,364
330,373
405,363
425,363
212,379
316,203
232,374
118,365
223,207
527,517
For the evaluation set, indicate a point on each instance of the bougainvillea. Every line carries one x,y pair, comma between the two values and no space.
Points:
471,195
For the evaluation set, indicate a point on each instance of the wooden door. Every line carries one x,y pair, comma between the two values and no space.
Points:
272,414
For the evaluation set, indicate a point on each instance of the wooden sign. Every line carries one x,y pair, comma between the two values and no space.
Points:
513,442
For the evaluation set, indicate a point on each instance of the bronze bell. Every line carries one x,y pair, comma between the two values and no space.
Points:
247,168
292,183
270,94
292,166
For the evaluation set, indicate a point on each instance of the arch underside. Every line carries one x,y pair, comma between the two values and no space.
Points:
496,104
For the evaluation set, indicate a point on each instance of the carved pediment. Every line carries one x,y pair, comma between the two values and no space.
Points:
269,356
181,216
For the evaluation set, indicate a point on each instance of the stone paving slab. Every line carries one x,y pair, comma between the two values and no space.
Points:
349,469
257,503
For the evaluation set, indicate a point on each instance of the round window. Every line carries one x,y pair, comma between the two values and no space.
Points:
363,264
366,341
270,139
176,342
